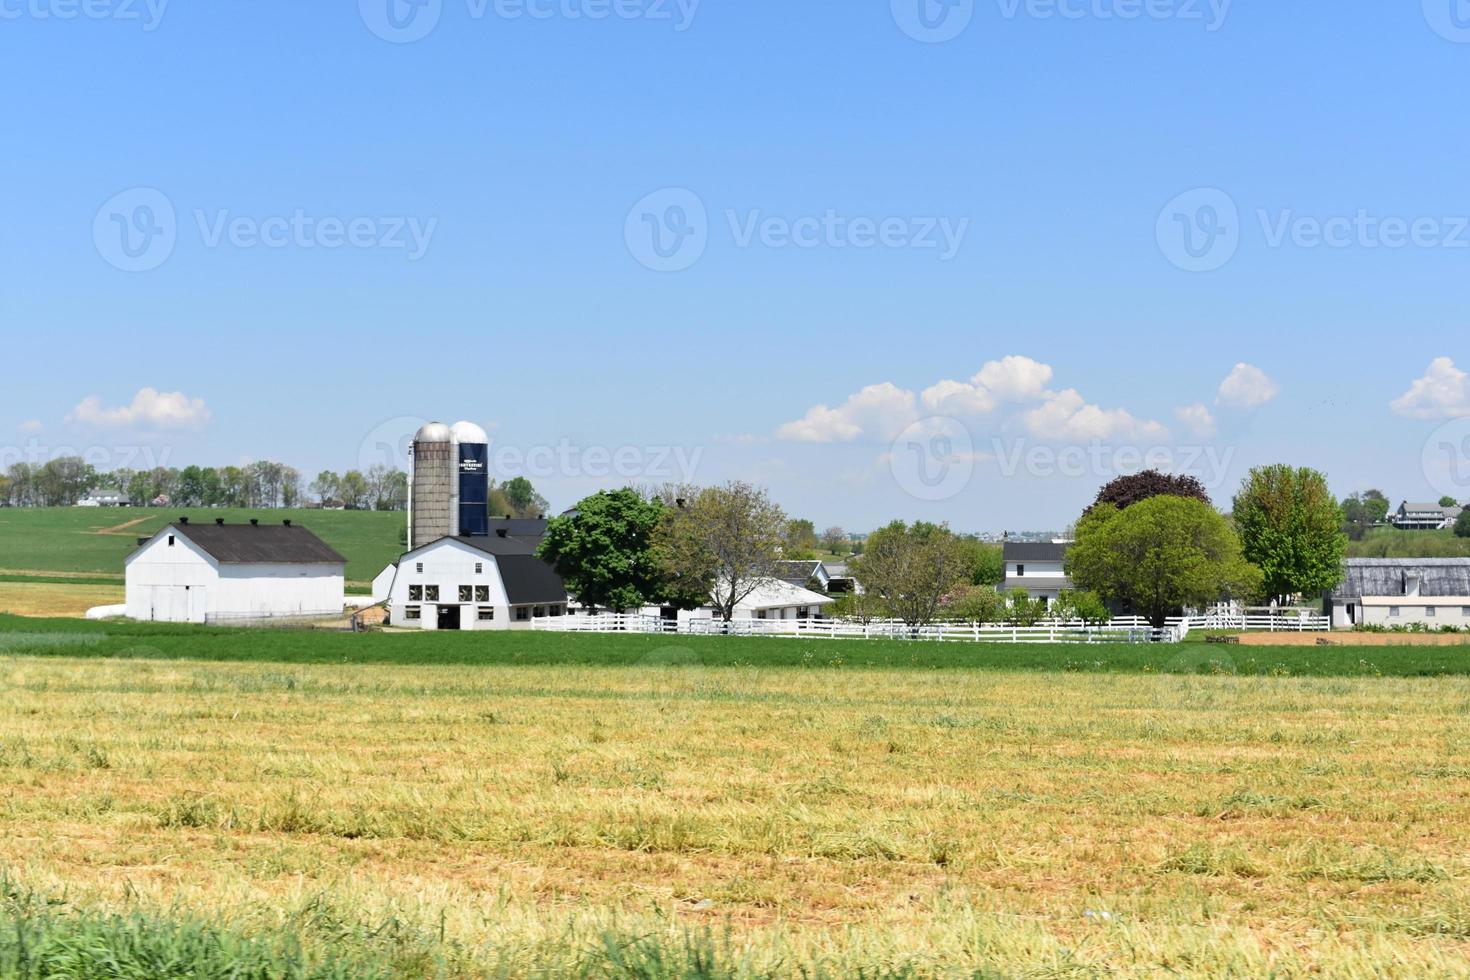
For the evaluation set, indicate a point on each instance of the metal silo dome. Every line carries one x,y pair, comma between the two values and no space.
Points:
434,432
469,433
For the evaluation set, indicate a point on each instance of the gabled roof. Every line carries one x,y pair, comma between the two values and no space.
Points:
799,572
1438,577
258,544
773,593
1034,551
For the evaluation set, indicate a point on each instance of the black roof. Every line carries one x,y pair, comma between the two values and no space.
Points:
252,544
508,545
520,527
1034,551
530,580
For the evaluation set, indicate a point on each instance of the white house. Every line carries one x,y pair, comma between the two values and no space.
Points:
1402,592
1037,567
1425,517
804,574
465,583
105,498
772,598
233,573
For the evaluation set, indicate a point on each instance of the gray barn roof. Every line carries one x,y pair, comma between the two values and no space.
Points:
263,544
1386,577
1034,551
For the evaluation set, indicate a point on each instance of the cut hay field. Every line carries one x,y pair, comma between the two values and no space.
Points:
95,541
679,815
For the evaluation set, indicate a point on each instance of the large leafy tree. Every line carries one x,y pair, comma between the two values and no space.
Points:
523,498
1462,525
723,542
1160,555
914,567
603,550
1362,512
1291,528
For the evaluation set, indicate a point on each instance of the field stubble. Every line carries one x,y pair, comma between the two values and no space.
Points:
1027,824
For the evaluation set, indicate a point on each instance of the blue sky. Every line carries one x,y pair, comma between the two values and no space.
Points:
362,227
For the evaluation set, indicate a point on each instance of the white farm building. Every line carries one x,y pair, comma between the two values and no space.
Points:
474,583
224,573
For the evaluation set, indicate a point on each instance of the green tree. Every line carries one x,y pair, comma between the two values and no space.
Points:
986,562
1291,528
1133,488
1023,610
723,541
603,550
1362,512
1448,502
800,540
1086,606
913,567
524,500
327,487
834,539
1160,555
974,604
1462,525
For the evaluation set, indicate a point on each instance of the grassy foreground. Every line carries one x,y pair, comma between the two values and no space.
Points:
97,539
673,819
155,641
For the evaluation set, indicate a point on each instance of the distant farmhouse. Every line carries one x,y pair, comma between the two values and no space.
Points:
1402,592
105,498
1425,517
1037,567
240,573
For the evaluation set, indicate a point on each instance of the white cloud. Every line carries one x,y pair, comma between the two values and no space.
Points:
958,398
149,409
30,426
1442,393
1247,386
879,411
1197,419
1065,415
1014,378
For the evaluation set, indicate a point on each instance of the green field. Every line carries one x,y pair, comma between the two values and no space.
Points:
190,802
96,540
1387,542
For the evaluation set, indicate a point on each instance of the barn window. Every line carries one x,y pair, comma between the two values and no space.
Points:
556,610
1431,611
487,613
431,593
540,612
479,568
415,593
522,613
465,593
419,567
411,612
1020,571
482,593
170,540
1393,610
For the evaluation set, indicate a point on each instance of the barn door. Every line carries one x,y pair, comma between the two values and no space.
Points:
196,603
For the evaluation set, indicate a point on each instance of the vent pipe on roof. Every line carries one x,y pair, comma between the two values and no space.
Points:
255,522
183,520
287,523
501,532
219,521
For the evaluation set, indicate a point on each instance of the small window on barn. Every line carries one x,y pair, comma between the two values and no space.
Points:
170,540
415,593
1431,611
1393,610
482,593
431,593
540,612
479,568
556,610
419,567
466,593
522,613
1020,571
487,613
412,612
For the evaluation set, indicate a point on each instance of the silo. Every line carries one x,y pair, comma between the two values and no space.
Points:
472,486
431,485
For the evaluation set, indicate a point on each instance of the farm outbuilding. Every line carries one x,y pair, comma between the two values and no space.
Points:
233,573
1429,592
475,583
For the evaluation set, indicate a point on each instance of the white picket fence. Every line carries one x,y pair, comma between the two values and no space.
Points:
1131,629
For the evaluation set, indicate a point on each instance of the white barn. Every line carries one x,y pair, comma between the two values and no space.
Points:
474,583
1428,592
233,573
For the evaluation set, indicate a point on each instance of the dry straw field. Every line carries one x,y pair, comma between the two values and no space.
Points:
670,819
